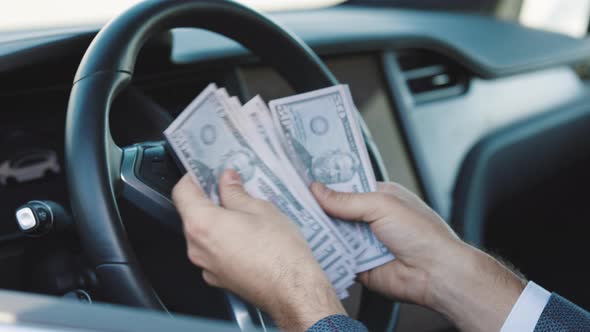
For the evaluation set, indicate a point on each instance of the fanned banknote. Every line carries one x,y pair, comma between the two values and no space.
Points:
207,141
306,137
343,267
323,139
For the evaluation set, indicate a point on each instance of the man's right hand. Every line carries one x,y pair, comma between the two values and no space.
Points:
433,267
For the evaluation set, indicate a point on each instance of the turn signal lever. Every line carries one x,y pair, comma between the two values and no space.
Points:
37,218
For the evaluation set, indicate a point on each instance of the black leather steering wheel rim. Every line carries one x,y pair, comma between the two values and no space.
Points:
93,160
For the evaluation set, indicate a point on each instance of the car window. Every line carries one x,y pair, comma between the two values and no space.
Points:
35,14
568,17
28,161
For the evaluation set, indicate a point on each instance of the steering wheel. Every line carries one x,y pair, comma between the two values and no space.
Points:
99,171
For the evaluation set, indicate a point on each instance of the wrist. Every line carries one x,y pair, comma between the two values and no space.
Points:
473,289
303,306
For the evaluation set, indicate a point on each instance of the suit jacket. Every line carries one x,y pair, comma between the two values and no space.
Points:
559,315
338,323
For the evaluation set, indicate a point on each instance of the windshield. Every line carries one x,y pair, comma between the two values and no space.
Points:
568,17
34,14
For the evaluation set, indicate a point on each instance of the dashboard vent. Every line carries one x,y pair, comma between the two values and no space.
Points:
432,77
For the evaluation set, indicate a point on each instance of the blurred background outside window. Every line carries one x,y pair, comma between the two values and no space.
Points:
570,17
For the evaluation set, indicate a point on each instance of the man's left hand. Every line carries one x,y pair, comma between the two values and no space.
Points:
249,247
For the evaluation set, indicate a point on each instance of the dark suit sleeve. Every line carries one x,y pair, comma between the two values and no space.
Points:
561,315
337,323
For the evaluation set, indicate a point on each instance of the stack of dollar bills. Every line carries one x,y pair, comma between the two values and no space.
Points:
279,150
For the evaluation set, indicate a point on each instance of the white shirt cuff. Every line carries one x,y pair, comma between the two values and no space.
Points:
527,310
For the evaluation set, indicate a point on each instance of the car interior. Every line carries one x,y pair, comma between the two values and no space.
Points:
482,115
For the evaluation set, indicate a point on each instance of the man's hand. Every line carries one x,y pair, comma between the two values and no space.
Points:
248,247
433,267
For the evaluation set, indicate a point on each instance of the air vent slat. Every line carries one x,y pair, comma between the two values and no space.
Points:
424,72
430,77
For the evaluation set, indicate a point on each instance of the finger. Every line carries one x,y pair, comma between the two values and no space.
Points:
350,206
233,195
397,190
195,255
389,187
186,193
393,276
192,204
402,193
196,210
363,277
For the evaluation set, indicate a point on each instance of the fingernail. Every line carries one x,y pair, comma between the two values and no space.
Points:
232,177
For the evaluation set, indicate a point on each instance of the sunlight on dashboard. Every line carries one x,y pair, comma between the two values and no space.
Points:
7,318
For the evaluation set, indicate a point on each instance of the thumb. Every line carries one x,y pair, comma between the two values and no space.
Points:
232,193
350,206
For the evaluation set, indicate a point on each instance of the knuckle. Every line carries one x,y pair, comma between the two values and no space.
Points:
393,188
387,187
209,279
179,188
384,199
176,190
195,230
381,203
262,206
231,194
193,256
397,185
339,197
197,222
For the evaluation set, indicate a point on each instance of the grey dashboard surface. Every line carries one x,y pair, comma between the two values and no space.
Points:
488,47
26,312
446,130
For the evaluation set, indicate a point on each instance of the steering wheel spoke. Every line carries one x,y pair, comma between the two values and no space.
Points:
147,175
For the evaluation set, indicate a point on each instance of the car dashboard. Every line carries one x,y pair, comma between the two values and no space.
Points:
429,86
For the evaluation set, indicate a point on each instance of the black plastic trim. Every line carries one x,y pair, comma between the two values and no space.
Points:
158,205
